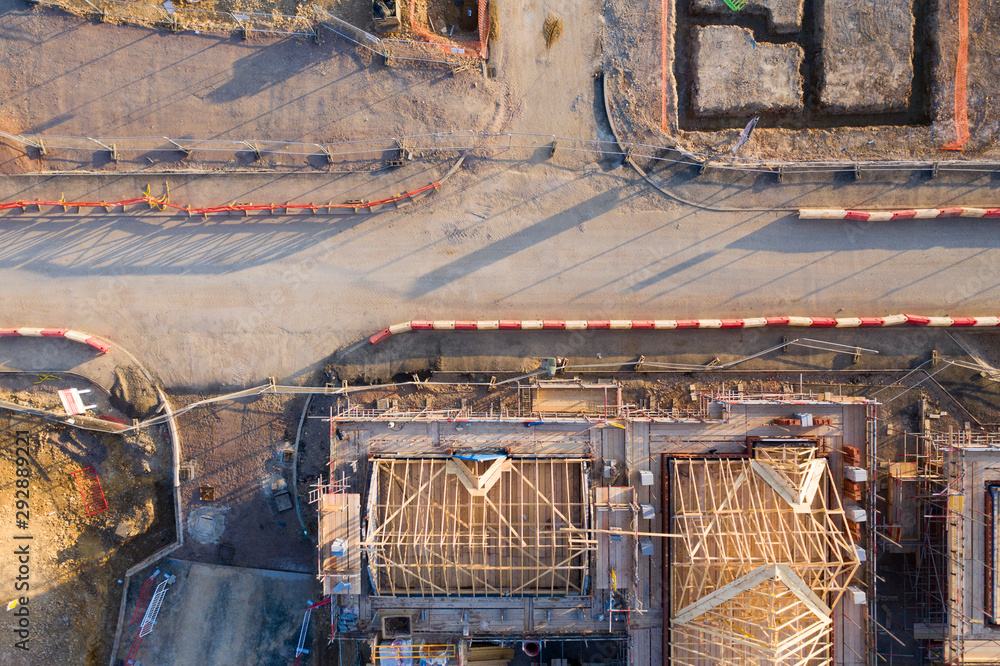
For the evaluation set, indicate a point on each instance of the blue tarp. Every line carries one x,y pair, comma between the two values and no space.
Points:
479,457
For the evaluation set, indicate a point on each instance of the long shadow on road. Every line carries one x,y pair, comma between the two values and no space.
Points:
131,246
539,232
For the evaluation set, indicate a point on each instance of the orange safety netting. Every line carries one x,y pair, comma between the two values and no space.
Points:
162,203
447,46
961,80
663,66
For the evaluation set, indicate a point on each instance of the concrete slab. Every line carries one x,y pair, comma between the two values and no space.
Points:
783,16
215,614
866,55
736,75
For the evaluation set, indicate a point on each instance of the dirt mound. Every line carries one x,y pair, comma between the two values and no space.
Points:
133,394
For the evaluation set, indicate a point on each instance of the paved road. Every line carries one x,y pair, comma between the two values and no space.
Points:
232,303
517,235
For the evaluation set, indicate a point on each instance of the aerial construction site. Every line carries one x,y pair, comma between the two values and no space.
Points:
496,333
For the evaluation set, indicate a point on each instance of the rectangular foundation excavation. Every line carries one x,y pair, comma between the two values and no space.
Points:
866,56
736,75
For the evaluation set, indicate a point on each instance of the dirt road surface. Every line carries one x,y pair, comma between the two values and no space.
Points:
219,615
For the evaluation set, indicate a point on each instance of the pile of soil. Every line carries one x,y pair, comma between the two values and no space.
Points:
133,394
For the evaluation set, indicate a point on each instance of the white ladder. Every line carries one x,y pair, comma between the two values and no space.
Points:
149,619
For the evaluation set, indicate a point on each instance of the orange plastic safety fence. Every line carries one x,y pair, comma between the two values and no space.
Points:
961,80
163,203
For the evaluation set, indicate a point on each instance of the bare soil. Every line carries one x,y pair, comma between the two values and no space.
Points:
77,560
236,448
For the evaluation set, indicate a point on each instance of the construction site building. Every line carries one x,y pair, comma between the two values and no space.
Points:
942,505
738,532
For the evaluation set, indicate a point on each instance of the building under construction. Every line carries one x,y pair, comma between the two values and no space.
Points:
463,537
943,504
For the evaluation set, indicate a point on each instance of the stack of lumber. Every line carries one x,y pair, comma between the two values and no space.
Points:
490,656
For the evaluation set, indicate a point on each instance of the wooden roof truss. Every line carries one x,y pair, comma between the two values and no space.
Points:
446,526
760,557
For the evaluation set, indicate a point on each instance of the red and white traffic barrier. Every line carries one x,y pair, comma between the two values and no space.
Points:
75,336
671,324
889,215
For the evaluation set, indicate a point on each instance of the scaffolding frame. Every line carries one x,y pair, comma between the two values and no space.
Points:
507,527
760,557
940,579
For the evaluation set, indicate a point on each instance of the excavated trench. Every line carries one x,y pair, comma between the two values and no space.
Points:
811,116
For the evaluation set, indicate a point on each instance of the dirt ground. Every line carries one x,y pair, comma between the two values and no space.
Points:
236,448
222,615
219,88
640,70
76,560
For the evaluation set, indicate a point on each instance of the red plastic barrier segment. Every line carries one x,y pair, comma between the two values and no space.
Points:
776,321
823,322
963,321
904,214
857,215
917,319
872,321
732,323
380,336
992,212
99,344
466,326
420,325
641,324
53,332
687,323
510,324
951,212
228,208
9,333
554,324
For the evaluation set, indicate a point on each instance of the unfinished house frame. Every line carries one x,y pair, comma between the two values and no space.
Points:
481,526
958,472
760,557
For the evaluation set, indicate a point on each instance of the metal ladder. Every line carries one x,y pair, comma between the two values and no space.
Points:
149,619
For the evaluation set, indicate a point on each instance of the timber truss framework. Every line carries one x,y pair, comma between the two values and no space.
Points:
501,527
760,558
